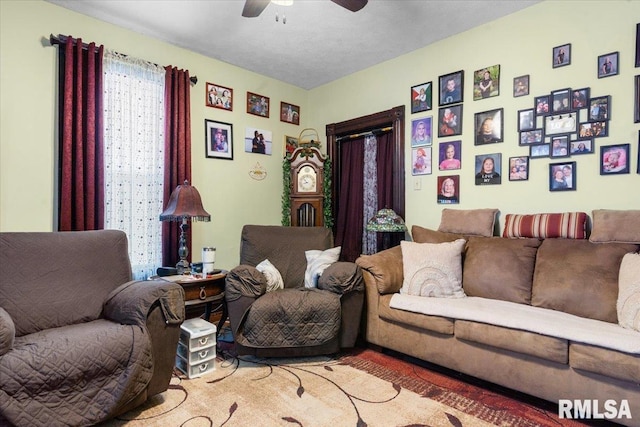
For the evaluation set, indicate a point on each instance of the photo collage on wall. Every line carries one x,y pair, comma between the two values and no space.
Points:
559,125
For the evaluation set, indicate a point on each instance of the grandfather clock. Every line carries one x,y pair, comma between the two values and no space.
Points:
307,196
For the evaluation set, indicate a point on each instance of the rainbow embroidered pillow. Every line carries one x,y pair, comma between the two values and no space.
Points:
569,225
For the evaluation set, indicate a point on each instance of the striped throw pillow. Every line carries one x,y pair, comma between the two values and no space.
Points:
569,225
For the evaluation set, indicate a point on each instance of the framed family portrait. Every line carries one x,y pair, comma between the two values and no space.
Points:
614,159
539,151
608,64
526,119
451,88
562,55
450,121
560,101
562,176
290,144
560,146
486,82
542,105
580,98
600,108
529,137
218,140
519,168
421,131
421,96
450,155
520,86
289,113
489,126
219,96
583,146
421,161
257,104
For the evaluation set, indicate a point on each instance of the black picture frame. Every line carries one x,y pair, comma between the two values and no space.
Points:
541,105
608,64
218,140
560,123
451,88
526,119
580,98
600,108
560,146
561,55
521,86
450,121
446,163
539,151
421,97
519,168
636,101
531,137
484,87
582,146
637,45
560,101
638,162
617,165
489,127
563,176
493,176
448,189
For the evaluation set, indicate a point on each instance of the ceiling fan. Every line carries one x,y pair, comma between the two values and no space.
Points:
253,8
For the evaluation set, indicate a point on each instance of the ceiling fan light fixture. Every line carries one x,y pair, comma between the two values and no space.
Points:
282,2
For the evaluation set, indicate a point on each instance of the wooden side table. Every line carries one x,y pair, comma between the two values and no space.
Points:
203,292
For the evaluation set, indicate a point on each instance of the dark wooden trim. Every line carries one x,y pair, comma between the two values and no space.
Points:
394,118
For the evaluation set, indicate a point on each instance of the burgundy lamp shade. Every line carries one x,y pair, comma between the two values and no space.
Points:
185,203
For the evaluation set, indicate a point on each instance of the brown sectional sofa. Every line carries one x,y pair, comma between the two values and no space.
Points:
539,316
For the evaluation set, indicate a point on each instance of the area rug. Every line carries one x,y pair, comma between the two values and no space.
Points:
360,388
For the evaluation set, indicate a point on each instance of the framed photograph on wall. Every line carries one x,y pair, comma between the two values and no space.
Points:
561,123
542,105
637,45
257,105
560,146
614,159
451,88
600,108
421,96
520,86
258,141
529,137
486,82
290,144
580,98
421,161
448,188
489,126
526,119
519,168
450,121
582,146
450,155
636,100
562,55
488,167
421,131
219,96
218,140
608,64
289,113
539,151
562,176
561,101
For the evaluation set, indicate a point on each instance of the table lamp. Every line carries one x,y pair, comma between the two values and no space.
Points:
386,221
184,204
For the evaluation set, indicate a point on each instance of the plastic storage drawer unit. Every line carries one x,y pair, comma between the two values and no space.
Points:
196,350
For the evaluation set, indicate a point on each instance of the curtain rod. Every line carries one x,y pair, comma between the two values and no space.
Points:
60,39
369,132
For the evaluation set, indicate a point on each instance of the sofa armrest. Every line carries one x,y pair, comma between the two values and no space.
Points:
7,332
244,281
341,278
386,268
130,303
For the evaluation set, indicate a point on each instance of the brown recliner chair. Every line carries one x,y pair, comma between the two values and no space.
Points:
79,341
296,320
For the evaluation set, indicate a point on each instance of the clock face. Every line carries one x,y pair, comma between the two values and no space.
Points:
307,180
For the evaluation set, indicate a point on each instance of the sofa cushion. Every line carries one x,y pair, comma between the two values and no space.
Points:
615,226
342,277
271,273
317,263
432,269
500,268
7,332
425,235
530,343
570,225
579,277
628,305
439,324
476,222
386,269
623,366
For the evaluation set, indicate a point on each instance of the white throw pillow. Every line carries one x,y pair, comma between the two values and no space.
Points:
274,278
628,304
433,269
317,262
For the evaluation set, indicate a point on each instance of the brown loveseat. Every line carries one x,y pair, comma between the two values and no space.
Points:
79,341
539,315
294,320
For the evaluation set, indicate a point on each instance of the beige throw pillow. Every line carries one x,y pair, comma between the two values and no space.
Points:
271,273
615,226
629,292
433,269
475,222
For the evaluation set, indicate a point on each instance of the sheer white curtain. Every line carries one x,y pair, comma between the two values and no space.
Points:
134,156
370,196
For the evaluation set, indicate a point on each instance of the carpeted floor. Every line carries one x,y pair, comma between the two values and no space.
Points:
363,387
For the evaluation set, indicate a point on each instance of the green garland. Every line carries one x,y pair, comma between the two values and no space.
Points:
326,188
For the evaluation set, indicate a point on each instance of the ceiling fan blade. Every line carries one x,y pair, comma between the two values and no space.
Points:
253,8
352,5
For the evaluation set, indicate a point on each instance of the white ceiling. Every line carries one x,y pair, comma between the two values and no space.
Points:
320,41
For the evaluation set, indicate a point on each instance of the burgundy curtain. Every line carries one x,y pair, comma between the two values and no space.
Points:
177,154
81,173
349,222
385,182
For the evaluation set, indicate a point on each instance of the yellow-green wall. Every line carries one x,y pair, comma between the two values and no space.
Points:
521,43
